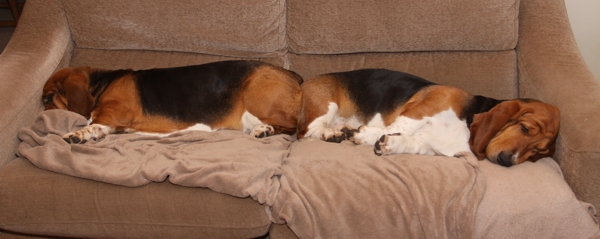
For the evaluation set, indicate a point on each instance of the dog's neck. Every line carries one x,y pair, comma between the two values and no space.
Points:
478,104
100,79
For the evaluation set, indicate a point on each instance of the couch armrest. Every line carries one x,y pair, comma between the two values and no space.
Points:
41,43
552,69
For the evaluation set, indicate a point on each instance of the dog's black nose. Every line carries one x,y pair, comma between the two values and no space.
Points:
505,159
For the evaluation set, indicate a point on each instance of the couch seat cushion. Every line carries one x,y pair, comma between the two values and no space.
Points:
36,201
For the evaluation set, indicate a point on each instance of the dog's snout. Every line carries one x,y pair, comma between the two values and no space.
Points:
505,159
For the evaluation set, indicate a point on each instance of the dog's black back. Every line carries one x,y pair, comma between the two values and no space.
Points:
198,93
380,90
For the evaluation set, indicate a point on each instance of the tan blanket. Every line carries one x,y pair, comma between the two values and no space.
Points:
225,161
346,191
321,190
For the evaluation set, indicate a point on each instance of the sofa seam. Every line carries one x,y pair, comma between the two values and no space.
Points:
127,223
286,53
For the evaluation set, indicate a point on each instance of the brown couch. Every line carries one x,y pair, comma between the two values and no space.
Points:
499,48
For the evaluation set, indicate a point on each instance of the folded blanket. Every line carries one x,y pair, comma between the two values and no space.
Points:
225,161
320,189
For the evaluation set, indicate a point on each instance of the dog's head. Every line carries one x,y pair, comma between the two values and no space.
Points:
515,131
68,89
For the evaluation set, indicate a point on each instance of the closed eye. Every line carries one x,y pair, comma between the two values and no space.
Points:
47,99
524,129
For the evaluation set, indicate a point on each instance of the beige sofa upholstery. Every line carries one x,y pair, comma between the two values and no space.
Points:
499,48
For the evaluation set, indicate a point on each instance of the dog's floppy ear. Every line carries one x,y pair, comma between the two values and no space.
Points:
486,125
74,88
549,153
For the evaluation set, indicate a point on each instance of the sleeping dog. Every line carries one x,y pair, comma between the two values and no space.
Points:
402,113
250,96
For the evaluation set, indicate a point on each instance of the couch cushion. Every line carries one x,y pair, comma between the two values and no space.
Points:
145,59
339,26
225,27
493,74
36,201
532,200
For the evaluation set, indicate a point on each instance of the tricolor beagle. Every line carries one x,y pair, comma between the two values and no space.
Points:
402,113
251,96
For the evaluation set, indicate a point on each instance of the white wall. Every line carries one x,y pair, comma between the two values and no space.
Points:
584,16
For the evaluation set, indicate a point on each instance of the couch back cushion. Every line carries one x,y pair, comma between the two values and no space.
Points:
249,28
493,74
341,26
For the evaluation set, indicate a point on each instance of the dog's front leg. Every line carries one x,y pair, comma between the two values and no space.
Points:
92,131
402,144
103,122
370,134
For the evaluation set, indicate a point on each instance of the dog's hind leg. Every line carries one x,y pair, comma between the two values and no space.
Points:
272,96
321,127
255,127
262,130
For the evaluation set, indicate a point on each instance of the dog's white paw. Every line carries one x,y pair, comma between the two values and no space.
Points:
367,135
335,136
262,130
90,132
382,147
